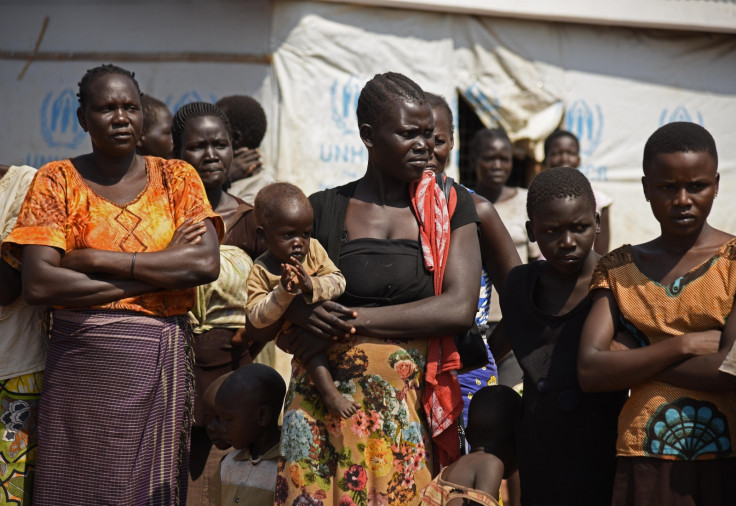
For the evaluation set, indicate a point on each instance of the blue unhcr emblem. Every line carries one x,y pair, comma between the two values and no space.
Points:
344,103
680,114
586,124
59,125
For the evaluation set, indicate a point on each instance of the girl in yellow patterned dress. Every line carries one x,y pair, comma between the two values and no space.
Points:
674,295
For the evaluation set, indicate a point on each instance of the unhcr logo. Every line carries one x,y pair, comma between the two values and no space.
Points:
59,125
586,123
344,103
680,114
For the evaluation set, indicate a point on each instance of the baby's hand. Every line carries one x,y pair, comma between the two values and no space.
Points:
305,282
287,278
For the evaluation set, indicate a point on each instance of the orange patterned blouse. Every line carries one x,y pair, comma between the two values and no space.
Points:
62,211
661,420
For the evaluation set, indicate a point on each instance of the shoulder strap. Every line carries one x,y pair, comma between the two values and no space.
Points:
445,183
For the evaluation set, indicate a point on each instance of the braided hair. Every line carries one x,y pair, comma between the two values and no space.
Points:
439,102
383,91
246,117
680,136
558,183
93,74
195,110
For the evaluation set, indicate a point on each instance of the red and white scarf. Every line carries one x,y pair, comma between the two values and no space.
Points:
442,399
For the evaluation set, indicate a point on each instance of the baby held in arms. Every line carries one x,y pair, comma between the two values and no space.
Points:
295,264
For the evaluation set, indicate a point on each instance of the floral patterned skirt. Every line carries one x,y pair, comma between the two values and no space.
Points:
377,457
19,398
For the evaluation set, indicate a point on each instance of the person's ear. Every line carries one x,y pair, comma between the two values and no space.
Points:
718,180
452,141
260,234
530,232
82,120
366,134
237,139
139,144
597,222
265,415
644,186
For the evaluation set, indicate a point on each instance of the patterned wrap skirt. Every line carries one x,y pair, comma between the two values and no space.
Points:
379,456
116,410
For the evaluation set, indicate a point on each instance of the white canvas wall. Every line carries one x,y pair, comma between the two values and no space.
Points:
39,109
611,86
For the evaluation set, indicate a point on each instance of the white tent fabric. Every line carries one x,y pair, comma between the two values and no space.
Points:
611,86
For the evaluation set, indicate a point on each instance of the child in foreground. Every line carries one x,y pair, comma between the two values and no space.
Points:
248,404
475,478
566,444
673,294
294,264
198,492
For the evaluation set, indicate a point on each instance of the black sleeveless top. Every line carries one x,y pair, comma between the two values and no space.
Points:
377,272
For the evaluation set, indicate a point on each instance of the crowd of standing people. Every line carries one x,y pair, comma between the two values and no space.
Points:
155,290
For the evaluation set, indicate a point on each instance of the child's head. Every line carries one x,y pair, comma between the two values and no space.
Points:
561,149
493,416
247,119
284,216
444,138
680,176
249,402
212,424
156,135
562,217
491,156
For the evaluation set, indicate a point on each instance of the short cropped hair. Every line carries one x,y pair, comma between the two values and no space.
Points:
438,101
246,117
257,379
191,111
558,134
493,415
479,140
680,136
558,183
272,197
382,92
94,73
151,107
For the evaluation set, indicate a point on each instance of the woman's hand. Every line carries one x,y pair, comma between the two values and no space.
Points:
187,233
701,343
246,162
325,320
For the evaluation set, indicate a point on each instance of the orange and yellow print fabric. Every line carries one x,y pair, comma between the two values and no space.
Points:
62,211
660,420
